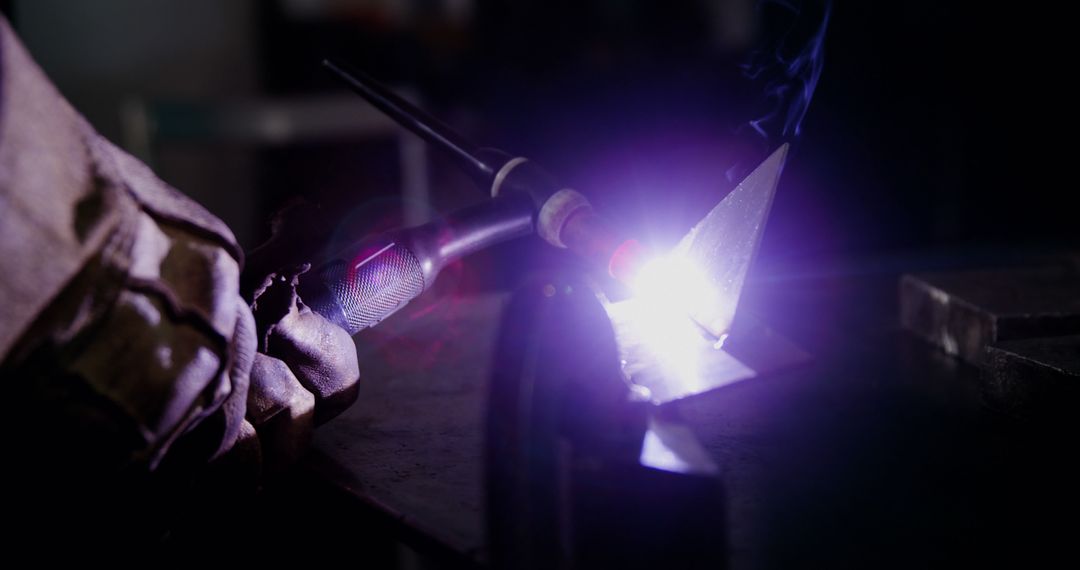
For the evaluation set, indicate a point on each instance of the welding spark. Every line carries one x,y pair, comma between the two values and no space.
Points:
668,291
673,285
693,290
664,347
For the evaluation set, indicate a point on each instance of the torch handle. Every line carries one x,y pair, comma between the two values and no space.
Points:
360,289
371,279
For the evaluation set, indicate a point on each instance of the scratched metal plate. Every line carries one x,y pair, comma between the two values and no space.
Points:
669,354
751,350
724,243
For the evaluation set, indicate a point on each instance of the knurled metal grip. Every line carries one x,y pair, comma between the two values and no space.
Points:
359,293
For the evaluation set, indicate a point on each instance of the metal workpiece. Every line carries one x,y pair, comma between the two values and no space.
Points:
1036,380
724,244
581,471
671,364
965,311
678,335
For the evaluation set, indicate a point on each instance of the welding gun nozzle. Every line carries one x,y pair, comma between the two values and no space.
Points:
562,217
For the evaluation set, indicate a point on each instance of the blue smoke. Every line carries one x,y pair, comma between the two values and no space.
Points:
789,64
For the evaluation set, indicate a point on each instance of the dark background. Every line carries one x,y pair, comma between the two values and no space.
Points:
937,128
934,124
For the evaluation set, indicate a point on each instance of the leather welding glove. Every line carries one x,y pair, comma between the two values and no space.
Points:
125,346
130,362
305,371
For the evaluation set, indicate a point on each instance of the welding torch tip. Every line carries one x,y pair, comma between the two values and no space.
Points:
565,218
626,261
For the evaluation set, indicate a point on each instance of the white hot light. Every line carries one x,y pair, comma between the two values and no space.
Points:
667,292
674,284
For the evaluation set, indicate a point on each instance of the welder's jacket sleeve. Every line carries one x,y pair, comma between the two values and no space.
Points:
122,332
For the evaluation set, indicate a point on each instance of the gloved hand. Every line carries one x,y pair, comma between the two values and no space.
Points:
305,371
124,335
139,383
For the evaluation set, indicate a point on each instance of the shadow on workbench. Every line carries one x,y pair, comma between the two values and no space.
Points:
304,519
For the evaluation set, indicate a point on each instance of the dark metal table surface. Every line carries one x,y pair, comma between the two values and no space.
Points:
878,453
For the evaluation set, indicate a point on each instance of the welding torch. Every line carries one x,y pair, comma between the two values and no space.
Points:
370,280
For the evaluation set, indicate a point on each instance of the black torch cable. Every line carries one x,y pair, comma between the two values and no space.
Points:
407,115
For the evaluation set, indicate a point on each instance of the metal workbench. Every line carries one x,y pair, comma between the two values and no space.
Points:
878,453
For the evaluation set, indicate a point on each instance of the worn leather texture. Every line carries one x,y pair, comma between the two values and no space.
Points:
127,355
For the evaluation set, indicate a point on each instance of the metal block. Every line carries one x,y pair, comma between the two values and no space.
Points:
963,312
1034,379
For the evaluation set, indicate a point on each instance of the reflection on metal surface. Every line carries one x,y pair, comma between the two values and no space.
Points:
723,244
671,332
673,447
671,288
668,354
672,358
